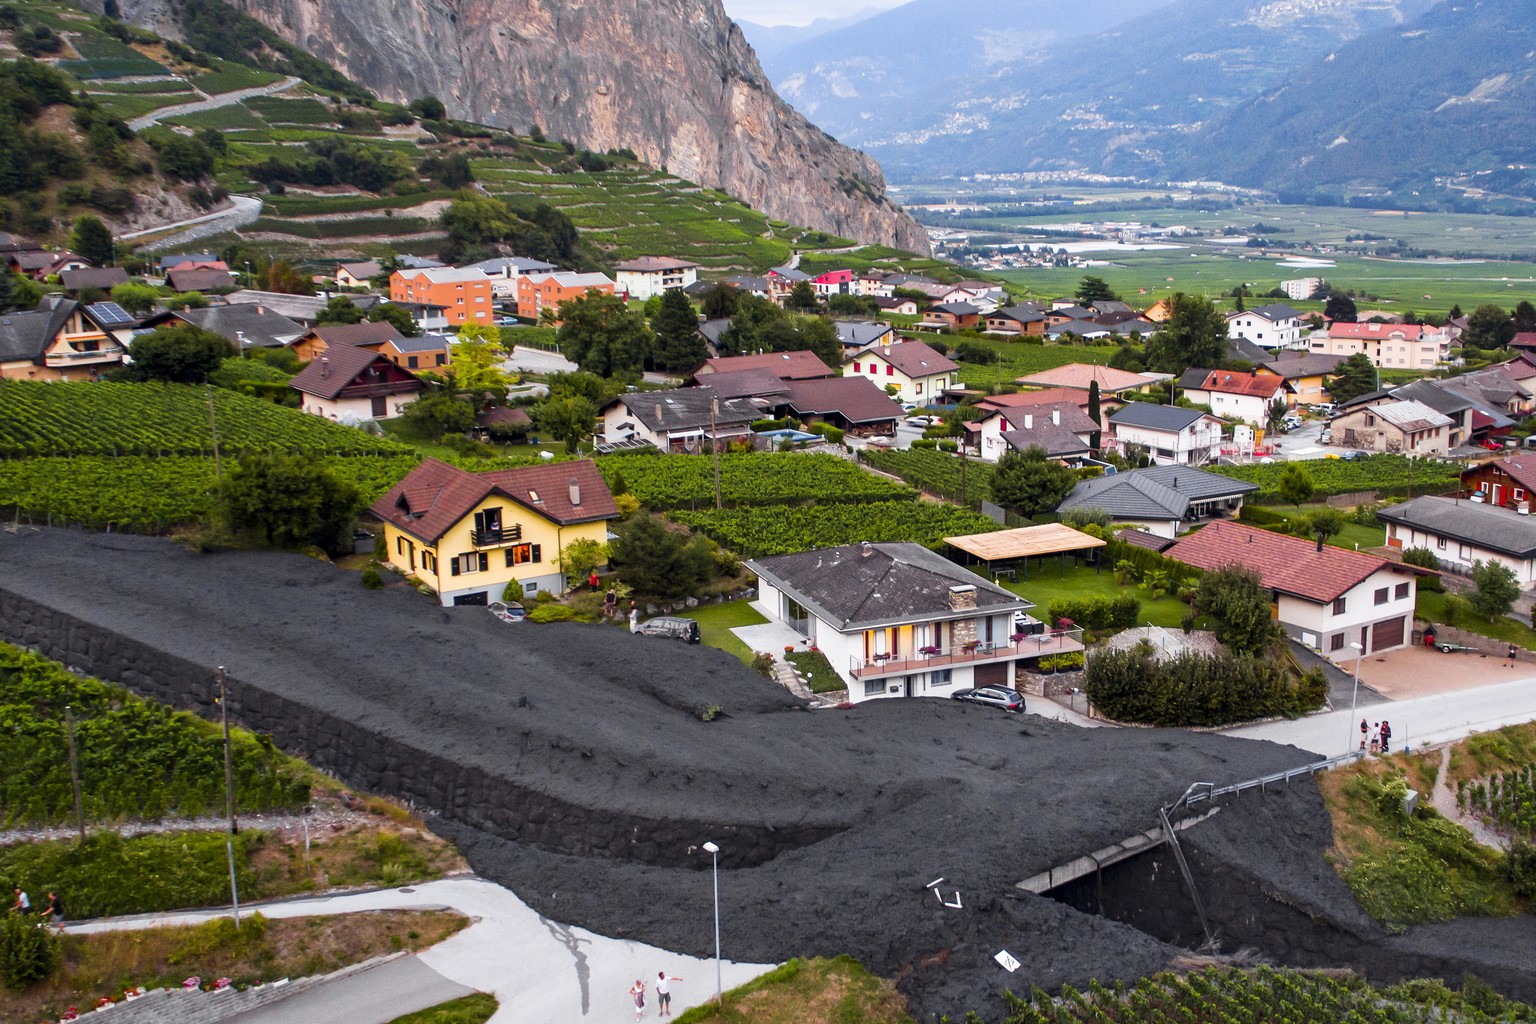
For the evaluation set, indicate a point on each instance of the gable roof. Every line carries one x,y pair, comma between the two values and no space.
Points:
1025,313
746,384
365,269
1157,492
1144,539
1079,375
521,264
1081,328
1243,350
305,309
1519,468
1409,332
198,280
1171,418
1235,382
28,335
105,278
1442,400
858,586
333,372
800,365
420,343
1044,396
244,326
175,259
435,496
859,333
1296,367
1058,441
915,359
1410,415
1273,312
856,399
955,309
363,333
686,409
1289,565
1473,522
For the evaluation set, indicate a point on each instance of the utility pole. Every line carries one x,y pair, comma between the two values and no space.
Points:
229,792
714,445
74,770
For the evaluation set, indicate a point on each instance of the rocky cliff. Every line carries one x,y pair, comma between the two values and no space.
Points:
673,80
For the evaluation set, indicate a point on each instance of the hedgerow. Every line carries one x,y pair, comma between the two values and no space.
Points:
755,532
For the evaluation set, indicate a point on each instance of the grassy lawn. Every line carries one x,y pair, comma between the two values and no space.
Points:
837,991
817,671
717,620
1441,608
475,1009
1044,585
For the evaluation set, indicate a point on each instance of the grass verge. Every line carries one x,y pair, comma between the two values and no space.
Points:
1450,610
817,670
475,1009
717,620
107,964
820,991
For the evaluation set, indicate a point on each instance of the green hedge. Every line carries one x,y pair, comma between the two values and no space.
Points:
1098,613
1195,689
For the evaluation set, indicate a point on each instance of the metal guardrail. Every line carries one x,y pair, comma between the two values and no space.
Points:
1209,791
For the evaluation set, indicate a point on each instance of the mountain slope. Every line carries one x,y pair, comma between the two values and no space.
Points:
672,80
770,40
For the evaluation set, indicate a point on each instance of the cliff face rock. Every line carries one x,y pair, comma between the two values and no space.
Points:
673,80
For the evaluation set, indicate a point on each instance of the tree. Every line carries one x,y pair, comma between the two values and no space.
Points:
602,335
1296,484
803,297
1195,335
1326,523
1489,327
474,361
1241,605
182,354
280,276
136,298
1355,376
1340,307
1525,316
568,418
1455,313
1029,484
184,157
339,310
655,560
719,303
1093,289
1494,589
1275,414
819,334
429,108
399,316
580,558
291,501
92,240
679,345
438,413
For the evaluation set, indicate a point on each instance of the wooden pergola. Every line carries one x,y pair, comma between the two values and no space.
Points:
1023,544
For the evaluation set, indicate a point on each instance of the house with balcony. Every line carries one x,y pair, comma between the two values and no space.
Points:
917,372
1463,532
1161,500
245,327
465,296
1171,435
647,276
59,340
1389,346
504,272
1233,395
1325,597
350,384
899,620
1507,483
683,419
1062,431
951,316
538,292
466,535
1276,326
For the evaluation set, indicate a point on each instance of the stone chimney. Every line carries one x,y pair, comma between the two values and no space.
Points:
962,597
962,631
325,366
866,549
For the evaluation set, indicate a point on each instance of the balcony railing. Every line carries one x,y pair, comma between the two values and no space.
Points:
102,355
926,659
494,538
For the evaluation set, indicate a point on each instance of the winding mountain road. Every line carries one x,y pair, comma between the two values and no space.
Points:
226,99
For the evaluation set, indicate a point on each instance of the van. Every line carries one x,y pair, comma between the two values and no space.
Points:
672,627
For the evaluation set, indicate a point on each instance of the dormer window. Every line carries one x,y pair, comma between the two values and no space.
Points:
534,497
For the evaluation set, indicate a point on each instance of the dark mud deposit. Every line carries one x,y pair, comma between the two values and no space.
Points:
571,763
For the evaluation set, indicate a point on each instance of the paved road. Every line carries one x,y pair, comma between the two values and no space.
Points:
1417,722
537,360
382,993
542,972
244,210
227,99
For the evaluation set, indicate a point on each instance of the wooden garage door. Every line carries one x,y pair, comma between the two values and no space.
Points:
1387,634
994,675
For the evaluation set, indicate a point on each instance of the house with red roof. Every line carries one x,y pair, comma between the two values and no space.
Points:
1507,483
1326,597
854,404
349,383
799,365
1390,346
1244,397
466,535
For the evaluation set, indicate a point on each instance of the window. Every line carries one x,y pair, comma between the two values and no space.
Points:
472,561
1336,642
1519,493
874,687
1381,595
410,361
890,371
429,561
1440,543
939,677
1338,606
523,554
1401,591
1370,420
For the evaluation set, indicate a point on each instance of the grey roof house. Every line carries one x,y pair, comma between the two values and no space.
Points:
1462,532
1163,499
676,419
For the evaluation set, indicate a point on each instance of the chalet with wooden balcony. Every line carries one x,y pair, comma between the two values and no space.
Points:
350,384
59,340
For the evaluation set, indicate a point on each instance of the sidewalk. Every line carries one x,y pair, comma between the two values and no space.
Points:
542,972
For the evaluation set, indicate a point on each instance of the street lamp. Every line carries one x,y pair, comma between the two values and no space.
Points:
1354,702
714,856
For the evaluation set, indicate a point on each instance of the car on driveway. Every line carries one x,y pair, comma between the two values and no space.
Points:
924,421
672,627
994,696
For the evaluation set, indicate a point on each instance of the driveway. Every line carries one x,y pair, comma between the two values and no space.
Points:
1422,672
536,360
541,971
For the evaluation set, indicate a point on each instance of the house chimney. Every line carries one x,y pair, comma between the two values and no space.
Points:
1029,421
1056,417
325,366
658,413
962,598
575,493
866,549
1319,543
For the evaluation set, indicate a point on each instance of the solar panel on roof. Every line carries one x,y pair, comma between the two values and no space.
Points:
110,313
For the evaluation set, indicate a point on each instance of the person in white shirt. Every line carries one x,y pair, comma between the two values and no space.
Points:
664,993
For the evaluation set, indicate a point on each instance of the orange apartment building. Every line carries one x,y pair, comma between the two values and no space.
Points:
465,296
538,292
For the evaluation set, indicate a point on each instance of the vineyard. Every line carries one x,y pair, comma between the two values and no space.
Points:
934,472
687,481
147,494
137,758
754,532
1508,798
1387,475
1266,996
42,419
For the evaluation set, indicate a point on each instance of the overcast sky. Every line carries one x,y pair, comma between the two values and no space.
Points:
800,12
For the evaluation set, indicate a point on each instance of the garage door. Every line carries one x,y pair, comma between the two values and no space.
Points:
1388,634
994,675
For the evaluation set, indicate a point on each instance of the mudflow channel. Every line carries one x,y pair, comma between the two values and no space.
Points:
572,763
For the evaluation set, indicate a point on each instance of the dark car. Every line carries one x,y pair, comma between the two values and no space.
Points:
671,626
995,696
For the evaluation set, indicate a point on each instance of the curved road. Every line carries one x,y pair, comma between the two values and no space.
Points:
227,99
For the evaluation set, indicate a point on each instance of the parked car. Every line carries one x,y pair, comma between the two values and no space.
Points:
672,627
995,696
509,611
924,421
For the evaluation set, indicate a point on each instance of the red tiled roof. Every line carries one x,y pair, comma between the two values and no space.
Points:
1079,375
435,496
333,372
1523,339
1045,396
803,365
1290,565
1521,469
1231,382
1340,329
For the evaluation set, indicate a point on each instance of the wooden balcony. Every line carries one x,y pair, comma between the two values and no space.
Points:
496,538
1025,649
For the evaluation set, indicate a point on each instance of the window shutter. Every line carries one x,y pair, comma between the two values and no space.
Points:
479,521
454,565
534,555
485,561
509,558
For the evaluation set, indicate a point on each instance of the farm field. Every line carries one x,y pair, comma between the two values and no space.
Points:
755,532
687,481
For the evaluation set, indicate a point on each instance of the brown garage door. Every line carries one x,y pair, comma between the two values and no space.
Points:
994,675
1388,634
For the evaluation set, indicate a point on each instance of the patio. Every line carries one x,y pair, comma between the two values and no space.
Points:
771,637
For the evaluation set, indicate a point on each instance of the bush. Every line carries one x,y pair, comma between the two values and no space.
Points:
372,580
1425,559
975,352
29,951
552,612
512,593
1260,516
1196,689
950,447
1098,614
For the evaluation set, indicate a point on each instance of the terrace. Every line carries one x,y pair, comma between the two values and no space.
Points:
1020,646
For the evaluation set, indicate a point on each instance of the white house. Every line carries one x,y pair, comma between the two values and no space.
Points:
678,419
898,620
1326,597
1462,532
1060,429
918,372
1244,397
1272,326
1172,435
351,384
653,275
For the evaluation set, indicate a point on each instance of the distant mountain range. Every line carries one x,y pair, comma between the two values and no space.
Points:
771,40
1333,95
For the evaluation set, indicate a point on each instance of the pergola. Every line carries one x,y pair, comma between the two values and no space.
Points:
1023,544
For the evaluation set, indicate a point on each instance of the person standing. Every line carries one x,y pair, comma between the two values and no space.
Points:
664,993
637,990
1386,737
1513,656
1376,739
55,911
22,905
593,581
1365,730
634,617
610,604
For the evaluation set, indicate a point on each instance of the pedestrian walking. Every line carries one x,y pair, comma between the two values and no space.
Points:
1376,739
1365,730
610,604
22,904
664,993
1386,737
637,990
1513,656
55,911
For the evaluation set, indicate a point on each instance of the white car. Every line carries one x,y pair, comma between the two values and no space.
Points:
924,421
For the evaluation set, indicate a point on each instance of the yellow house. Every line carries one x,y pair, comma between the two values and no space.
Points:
466,534
1307,374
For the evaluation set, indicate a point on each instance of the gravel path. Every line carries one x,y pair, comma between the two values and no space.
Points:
243,210
227,99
